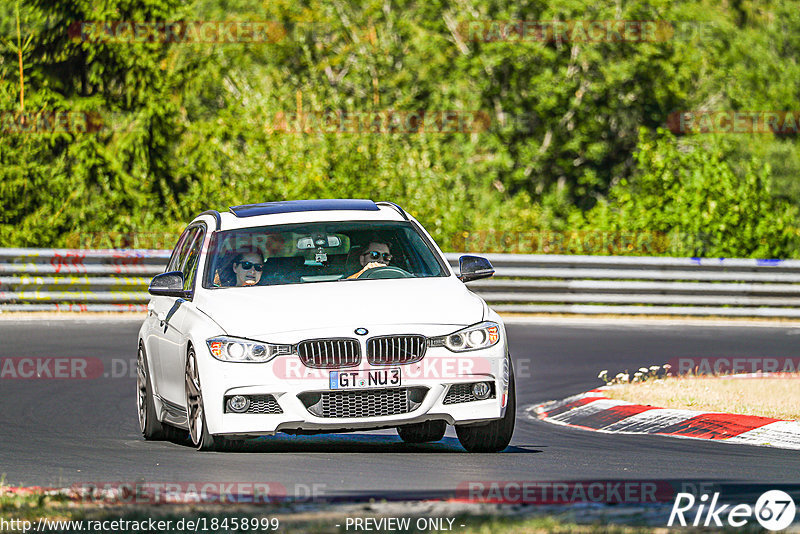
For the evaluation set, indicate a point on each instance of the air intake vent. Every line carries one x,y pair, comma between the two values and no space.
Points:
364,402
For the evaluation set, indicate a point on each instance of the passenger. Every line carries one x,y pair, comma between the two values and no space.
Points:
248,267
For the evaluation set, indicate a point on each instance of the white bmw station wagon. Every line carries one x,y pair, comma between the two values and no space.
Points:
320,316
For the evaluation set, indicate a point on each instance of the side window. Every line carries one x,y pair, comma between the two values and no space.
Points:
179,252
192,257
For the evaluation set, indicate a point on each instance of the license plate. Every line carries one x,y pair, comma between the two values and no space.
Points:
374,378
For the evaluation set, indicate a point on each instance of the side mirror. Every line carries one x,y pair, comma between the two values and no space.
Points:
474,268
167,285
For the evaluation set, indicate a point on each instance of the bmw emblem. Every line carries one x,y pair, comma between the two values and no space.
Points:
362,331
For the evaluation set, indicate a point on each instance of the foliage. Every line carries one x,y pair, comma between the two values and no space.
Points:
643,374
689,188
571,143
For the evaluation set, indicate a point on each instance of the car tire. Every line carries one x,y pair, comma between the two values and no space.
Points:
422,432
152,429
496,435
195,411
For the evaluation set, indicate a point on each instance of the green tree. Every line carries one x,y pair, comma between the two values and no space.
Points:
190,125
686,188
57,184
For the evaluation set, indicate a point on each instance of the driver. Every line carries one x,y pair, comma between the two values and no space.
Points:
376,254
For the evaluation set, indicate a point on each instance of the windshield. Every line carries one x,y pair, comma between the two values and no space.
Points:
319,252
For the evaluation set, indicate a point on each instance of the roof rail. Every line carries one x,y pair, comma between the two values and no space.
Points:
215,214
395,206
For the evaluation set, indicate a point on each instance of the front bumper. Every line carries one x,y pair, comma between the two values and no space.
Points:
290,383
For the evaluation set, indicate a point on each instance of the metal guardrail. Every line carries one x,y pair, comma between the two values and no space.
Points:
116,280
77,280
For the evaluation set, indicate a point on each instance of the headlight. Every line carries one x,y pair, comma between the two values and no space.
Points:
232,349
475,337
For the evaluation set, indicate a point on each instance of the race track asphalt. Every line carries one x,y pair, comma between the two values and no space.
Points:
62,432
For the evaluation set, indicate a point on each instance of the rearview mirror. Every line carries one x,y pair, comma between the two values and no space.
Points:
474,268
167,285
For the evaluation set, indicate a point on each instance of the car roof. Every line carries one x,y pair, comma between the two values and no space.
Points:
300,211
292,206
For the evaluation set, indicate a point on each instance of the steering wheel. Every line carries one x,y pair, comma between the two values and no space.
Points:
387,271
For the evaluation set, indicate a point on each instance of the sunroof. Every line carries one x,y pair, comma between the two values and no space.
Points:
291,206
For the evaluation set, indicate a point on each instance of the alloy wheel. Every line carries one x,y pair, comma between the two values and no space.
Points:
141,390
194,400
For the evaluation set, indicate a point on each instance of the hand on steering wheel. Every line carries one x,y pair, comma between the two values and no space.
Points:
373,265
384,271
367,267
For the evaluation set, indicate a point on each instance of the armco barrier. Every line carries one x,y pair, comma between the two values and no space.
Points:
77,280
116,280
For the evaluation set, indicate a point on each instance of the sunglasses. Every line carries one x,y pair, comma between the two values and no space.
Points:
247,265
375,255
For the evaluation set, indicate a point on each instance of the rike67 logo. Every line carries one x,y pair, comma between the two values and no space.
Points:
774,510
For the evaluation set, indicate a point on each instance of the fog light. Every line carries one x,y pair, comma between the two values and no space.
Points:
238,403
481,390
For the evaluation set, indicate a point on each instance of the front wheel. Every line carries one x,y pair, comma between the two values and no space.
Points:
495,436
198,430
201,438
422,432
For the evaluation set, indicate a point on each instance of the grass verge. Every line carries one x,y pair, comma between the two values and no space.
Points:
777,397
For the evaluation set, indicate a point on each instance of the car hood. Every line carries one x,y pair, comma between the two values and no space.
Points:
249,311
